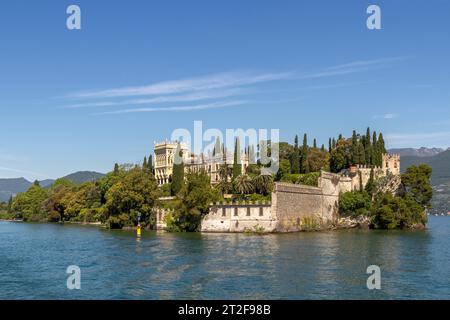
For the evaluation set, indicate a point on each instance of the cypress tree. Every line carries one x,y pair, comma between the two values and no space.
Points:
376,152
315,143
354,149
323,148
333,144
217,148
381,145
295,157
368,147
237,169
329,145
307,166
370,186
116,168
10,201
360,153
177,172
144,164
150,163
295,162
304,154
340,137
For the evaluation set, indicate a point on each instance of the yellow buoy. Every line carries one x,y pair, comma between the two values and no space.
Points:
138,231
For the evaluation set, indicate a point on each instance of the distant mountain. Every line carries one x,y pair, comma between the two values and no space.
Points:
46,183
11,187
421,152
84,176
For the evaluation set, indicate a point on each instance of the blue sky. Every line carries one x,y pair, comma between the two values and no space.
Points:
85,99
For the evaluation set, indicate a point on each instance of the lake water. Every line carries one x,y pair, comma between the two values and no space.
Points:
322,265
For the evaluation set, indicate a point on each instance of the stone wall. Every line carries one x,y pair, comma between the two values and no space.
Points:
239,217
299,207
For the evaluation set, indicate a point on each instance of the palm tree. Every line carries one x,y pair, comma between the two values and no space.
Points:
224,186
243,184
263,184
225,171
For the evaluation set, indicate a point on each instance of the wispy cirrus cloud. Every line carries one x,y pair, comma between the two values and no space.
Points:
196,96
387,116
25,172
180,108
210,82
219,88
369,63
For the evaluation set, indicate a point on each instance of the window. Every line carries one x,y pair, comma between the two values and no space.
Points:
248,211
261,212
235,211
224,213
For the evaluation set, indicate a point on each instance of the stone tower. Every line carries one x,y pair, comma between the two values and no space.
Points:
164,159
391,163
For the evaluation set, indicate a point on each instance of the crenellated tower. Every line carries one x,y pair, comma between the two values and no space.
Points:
391,163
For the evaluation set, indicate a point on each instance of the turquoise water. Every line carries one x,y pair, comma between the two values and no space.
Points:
325,265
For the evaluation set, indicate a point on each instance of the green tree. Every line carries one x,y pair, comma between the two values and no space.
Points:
318,160
397,212
295,157
10,202
295,162
144,164
417,183
354,149
368,147
340,156
237,169
178,171
193,202
29,204
370,186
54,204
304,155
360,153
135,193
284,168
243,184
263,184
150,163
381,146
355,203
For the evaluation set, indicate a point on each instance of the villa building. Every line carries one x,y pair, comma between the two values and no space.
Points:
165,158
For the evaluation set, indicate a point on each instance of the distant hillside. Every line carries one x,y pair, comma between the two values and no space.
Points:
46,183
11,187
421,152
84,176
